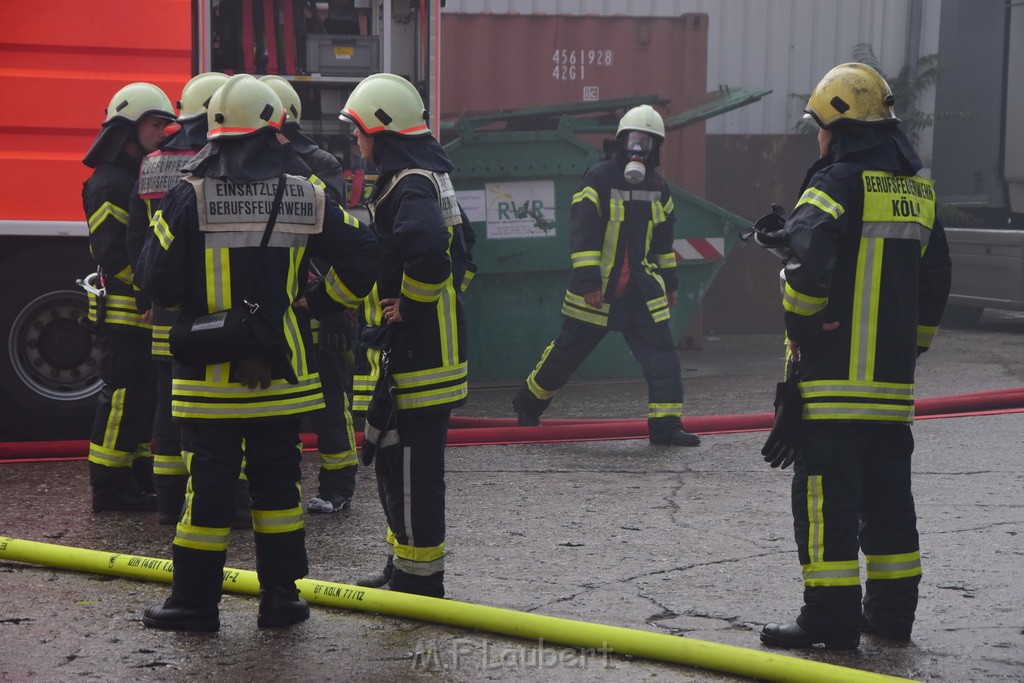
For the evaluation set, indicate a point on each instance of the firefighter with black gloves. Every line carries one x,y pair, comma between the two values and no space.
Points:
120,462
161,170
623,278
414,317
332,337
204,255
866,281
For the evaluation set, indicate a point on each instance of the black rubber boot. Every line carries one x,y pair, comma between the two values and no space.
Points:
142,471
794,636
170,497
431,586
281,606
177,616
114,490
381,578
676,438
899,633
528,408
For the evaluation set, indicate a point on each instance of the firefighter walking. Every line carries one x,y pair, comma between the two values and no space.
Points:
120,462
865,284
623,278
214,247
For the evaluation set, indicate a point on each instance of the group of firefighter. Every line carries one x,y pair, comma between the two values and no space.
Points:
369,320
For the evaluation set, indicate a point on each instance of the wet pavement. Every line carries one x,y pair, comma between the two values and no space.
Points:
691,542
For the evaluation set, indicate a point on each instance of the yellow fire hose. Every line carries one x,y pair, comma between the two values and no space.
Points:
578,634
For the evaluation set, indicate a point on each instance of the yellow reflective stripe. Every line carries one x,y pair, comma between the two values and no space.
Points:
664,410
925,335
419,378
419,554
876,412
531,380
107,210
349,218
169,465
338,461
896,391
816,197
422,291
113,426
587,193
201,537
669,206
574,306
832,574
337,290
666,260
616,211
802,304
864,322
316,181
126,275
432,397
585,258
162,230
657,212
466,279
109,457
815,520
899,566
277,521
230,390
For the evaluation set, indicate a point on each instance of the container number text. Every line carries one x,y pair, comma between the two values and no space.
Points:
571,65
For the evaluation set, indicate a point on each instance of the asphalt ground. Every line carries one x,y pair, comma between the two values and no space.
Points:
690,542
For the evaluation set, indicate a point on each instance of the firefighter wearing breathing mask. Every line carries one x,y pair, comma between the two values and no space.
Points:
623,279
866,279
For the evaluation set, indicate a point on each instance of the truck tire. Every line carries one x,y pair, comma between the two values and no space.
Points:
961,316
49,364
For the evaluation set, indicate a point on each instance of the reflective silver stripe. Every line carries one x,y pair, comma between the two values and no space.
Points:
277,521
447,325
244,410
801,304
635,195
434,397
858,411
337,290
423,291
896,231
586,258
188,387
849,389
407,494
419,378
816,197
587,315
204,537
382,439
228,240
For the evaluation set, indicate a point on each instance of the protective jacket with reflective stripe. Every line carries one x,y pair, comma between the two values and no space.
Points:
611,221
426,254
105,198
866,251
212,269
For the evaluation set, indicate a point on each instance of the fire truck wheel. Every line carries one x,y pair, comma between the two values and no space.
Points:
48,363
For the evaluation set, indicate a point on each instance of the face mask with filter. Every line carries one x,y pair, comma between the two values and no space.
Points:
638,148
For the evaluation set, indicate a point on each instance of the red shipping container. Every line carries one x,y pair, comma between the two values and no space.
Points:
492,62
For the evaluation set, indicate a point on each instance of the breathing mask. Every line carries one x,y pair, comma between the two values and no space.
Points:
638,149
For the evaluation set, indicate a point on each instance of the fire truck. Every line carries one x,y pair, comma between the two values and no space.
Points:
62,60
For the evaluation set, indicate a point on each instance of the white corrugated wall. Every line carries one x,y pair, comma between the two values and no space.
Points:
785,45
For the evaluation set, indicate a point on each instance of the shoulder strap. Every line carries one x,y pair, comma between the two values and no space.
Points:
278,194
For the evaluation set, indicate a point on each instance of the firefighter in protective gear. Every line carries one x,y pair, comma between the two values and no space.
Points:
415,315
202,256
120,462
334,426
623,278
160,171
865,286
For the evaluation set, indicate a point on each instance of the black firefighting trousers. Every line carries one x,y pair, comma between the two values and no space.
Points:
852,490
273,454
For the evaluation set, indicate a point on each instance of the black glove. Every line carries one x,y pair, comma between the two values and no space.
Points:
253,372
783,444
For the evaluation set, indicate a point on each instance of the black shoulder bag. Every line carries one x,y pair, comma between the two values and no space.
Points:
237,333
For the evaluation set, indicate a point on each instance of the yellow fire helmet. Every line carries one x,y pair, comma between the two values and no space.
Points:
289,98
851,92
386,103
644,119
243,106
197,93
135,101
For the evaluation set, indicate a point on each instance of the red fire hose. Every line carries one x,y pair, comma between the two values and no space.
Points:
478,431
